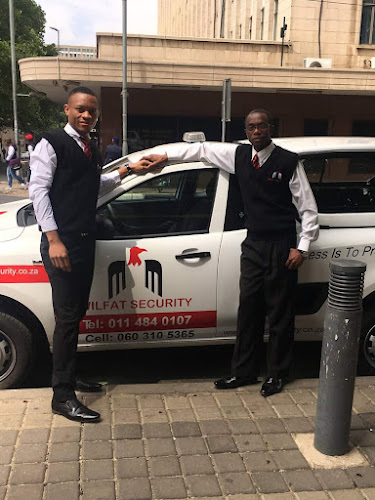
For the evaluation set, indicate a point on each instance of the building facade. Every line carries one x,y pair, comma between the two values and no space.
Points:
77,51
326,85
340,31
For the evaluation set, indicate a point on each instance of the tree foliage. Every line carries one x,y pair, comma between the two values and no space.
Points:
34,114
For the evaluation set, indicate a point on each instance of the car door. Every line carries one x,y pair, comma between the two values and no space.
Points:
344,190
157,257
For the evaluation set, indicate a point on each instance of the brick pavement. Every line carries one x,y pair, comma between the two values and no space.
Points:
178,441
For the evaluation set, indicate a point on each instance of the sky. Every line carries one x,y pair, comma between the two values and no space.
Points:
78,21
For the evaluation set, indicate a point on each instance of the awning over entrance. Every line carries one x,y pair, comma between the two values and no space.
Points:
56,77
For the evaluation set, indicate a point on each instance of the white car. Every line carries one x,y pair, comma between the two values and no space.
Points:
168,253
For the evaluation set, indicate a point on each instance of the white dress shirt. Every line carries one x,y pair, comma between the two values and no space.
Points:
223,156
43,164
10,153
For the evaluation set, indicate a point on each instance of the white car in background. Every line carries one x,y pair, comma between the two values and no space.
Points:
168,254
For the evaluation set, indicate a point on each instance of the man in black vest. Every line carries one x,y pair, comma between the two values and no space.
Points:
269,178
64,187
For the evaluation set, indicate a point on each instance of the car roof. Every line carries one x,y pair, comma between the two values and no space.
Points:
308,145
300,145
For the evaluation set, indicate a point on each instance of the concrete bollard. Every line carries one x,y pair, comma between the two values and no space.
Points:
338,365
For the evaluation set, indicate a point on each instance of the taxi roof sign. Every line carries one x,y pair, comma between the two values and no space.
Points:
194,137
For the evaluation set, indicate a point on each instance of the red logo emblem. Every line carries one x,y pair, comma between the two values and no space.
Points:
134,259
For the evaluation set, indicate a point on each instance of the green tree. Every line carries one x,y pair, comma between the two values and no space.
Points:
34,114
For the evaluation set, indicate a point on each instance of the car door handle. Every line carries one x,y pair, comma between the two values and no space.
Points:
193,255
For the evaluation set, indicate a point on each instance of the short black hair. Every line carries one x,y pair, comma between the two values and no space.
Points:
82,90
263,111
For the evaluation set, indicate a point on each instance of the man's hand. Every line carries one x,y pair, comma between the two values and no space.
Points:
141,166
156,160
58,252
138,167
295,259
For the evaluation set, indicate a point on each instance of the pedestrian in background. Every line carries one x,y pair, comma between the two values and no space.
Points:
270,178
112,151
13,164
30,148
64,186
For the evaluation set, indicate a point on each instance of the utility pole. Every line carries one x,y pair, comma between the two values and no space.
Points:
124,92
226,106
14,73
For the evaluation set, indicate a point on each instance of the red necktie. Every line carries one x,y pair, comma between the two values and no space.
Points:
256,163
86,147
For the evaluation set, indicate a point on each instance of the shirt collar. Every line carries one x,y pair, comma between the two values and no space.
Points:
264,153
73,133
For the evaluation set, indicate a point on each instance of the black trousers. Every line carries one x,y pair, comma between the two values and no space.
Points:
70,294
267,287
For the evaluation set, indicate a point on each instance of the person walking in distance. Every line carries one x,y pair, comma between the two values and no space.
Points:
10,157
30,148
64,186
270,178
112,151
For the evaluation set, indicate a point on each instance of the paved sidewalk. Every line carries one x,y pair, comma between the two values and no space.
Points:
178,441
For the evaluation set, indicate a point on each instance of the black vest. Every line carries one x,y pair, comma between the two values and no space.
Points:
270,213
75,187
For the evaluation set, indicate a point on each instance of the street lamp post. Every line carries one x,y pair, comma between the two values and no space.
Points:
124,92
58,49
14,74
58,38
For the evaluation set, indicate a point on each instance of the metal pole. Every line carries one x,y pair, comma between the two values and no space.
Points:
124,92
223,122
226,103
342,327
14,73
58,51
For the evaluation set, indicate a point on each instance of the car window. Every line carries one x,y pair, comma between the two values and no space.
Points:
342,182
169,204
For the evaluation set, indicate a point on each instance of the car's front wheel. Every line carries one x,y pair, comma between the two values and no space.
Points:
16,351
366,359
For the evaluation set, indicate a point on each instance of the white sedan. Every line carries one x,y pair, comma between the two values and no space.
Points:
168,253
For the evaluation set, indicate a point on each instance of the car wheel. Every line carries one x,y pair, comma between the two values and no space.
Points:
16,351
366,360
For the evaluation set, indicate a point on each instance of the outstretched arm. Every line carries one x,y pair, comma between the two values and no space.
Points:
220,154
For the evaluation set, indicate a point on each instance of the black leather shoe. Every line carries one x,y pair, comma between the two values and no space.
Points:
83,386
74,410
233,382
272,386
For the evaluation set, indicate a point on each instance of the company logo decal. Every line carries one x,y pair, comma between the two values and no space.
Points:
116,274
153,273
134,259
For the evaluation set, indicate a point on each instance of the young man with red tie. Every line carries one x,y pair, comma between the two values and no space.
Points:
64,186
270,178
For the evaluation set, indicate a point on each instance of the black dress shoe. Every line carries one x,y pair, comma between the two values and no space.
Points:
74,410
83,386
272,386
233,382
